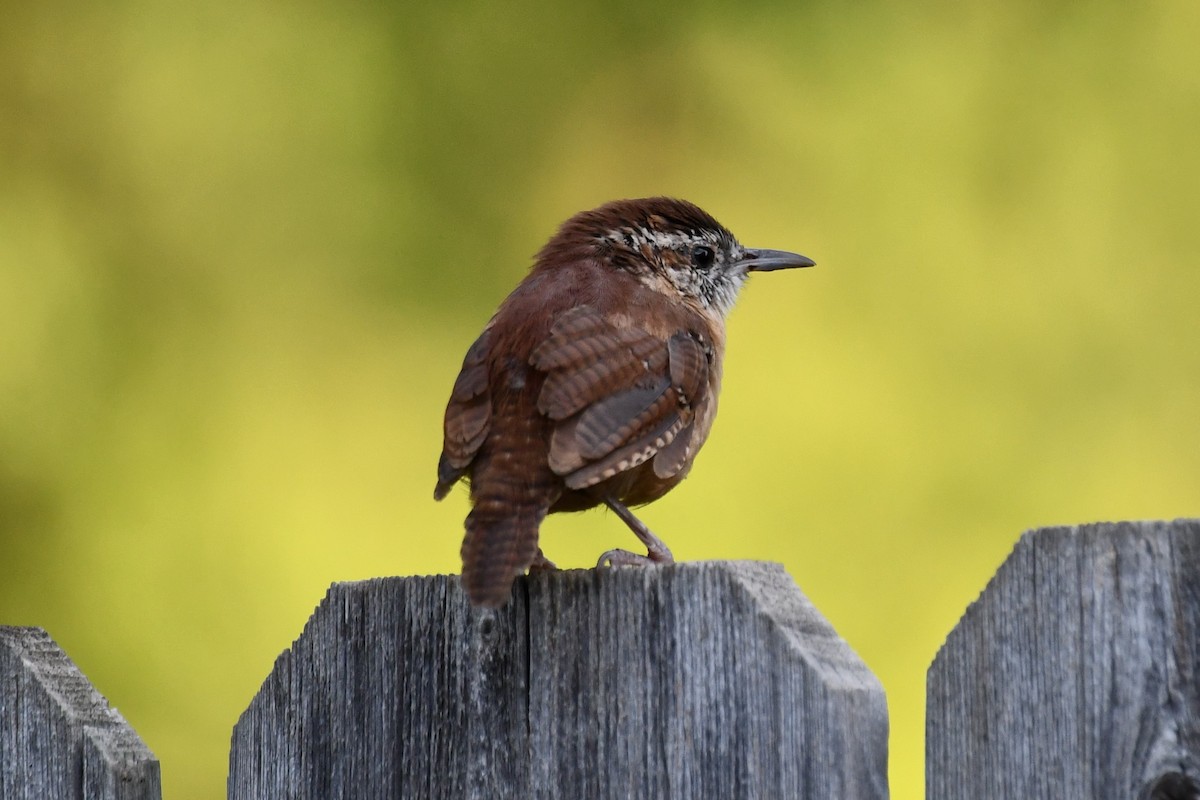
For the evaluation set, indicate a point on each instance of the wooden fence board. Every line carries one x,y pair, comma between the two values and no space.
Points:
59,738
697,680
1076,673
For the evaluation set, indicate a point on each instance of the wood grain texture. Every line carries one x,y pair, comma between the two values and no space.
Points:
706,680
59,738
1077,671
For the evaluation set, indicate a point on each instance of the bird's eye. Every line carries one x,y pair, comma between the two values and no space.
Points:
703,256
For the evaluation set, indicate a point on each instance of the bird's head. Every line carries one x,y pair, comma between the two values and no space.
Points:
672,246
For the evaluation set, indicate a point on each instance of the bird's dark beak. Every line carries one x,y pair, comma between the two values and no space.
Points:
769,260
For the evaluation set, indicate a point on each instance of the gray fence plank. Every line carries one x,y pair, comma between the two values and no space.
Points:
59,738
697,680
1076,673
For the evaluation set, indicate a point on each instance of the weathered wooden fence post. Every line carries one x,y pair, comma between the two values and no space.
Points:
59,739
1076,673
705,680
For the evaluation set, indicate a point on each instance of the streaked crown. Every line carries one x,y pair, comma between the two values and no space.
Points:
671,245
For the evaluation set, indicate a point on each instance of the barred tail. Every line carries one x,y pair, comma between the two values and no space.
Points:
500,544
512,489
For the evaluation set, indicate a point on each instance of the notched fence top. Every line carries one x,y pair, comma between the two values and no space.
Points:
1077,670
59,738
696,680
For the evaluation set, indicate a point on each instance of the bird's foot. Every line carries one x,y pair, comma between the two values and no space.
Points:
623,558
541,563
657,551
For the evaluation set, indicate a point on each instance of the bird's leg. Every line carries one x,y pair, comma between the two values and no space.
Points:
656,551
541,563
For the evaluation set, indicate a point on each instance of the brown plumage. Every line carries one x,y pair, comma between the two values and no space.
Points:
595,382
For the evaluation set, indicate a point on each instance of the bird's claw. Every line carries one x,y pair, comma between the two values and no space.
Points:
624,558
541,563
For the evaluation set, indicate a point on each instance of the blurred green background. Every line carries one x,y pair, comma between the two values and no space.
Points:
243,248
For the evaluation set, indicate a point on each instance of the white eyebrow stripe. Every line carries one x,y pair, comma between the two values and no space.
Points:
663,240
715,289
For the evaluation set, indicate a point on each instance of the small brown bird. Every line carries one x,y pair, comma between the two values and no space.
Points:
595,382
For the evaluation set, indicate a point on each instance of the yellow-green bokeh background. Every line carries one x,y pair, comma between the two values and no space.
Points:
243,247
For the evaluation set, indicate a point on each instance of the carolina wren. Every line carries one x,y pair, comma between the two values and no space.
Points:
596,381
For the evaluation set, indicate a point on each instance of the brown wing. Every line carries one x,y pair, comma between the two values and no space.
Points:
689,372
620,395
468,416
